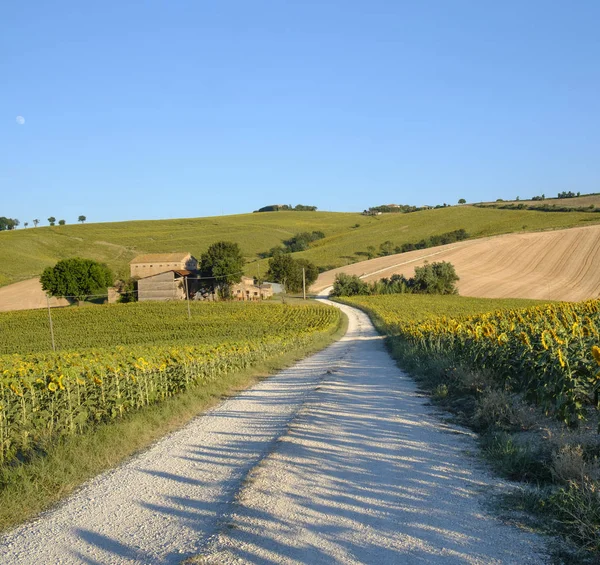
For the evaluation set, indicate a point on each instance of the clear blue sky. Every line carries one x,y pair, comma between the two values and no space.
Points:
142,109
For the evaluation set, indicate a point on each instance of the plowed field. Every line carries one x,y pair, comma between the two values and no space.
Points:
26,295
553,265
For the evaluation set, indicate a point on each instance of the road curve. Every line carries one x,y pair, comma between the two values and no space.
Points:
336,460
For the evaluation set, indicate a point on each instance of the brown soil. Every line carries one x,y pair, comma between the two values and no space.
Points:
553,265
26,295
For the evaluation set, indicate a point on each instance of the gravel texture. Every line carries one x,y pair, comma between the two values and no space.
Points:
336,460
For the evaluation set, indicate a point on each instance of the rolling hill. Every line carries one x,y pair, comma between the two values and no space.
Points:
24,253
552,265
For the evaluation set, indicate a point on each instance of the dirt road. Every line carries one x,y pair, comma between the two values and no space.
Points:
336,460
552,265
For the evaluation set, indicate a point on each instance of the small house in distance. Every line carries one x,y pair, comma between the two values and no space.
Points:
155,263
247,290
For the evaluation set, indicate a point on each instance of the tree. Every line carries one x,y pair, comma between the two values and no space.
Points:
61,222
281,266
26,224
224,262
349,285
462,201
284,269
311,273
76,277
35,223
387,248
435,278
8,223
52,220
81,219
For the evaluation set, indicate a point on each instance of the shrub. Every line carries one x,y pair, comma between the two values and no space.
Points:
435,278
349,285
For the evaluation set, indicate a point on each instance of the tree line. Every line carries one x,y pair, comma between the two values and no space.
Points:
278,207
431,278
12,223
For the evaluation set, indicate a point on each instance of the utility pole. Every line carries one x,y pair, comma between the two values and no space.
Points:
304,282
187,297
51,328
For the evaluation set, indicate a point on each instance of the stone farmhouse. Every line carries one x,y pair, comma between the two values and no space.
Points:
247,290
164,276
174,276
155,263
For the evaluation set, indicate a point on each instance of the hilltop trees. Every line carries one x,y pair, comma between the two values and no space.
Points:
76,278
52,220
224,262
8,223
35,223
81,219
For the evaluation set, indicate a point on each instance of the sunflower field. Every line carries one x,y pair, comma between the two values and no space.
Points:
45,395
548,352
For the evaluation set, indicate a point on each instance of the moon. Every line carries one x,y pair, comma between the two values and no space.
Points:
20,120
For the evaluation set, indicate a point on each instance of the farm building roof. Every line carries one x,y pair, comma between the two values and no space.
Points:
157,257
180,272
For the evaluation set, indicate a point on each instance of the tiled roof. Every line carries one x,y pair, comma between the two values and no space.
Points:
158,257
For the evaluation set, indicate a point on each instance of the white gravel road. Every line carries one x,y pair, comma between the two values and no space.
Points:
336,460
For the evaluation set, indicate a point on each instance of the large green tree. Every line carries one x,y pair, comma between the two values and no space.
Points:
76,278
224,262
284,269
435,278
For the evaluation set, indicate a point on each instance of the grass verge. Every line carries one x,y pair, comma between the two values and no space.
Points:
26,489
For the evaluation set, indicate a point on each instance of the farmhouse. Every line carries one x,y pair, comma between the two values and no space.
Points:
171,285
164,276
173,276
155,263
247,290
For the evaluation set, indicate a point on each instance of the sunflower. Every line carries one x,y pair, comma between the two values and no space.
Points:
596,353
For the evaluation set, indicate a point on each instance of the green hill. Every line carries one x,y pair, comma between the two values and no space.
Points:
24,253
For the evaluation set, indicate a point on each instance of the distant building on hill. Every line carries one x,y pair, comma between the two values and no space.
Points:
155,263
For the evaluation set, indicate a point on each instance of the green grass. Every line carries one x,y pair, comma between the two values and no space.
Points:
26,489
24,253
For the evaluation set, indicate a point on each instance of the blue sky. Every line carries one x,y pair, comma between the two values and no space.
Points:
141,110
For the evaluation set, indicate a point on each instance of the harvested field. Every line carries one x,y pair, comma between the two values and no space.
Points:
26,295
552,265
588,200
